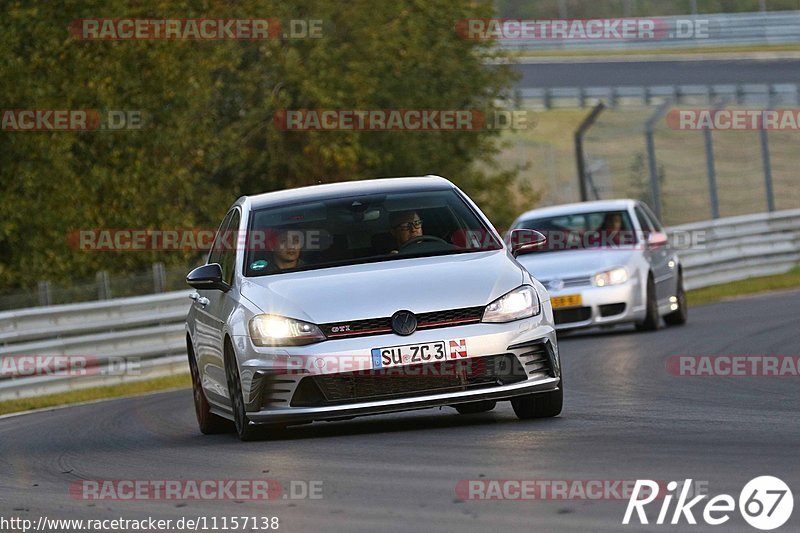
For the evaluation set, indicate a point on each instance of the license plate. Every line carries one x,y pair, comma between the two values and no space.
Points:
409,354
570,300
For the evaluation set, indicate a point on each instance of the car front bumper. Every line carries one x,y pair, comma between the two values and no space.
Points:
272,377
600,306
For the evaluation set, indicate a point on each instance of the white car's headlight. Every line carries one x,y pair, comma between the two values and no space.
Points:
274,330
615,276
522,302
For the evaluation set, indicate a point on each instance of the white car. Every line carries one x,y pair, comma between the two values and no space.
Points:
606,262
362,298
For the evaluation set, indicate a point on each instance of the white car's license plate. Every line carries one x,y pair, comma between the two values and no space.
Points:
409,354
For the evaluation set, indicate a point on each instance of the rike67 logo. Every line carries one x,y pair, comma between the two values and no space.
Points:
765,503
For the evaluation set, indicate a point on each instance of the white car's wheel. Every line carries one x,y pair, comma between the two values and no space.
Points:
652,320
540,405
209,422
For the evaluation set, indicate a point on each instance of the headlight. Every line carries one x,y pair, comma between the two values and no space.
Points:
274,330
519,303
614,276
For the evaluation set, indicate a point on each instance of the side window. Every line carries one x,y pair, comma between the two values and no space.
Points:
653,219
219,240
644,222
228,255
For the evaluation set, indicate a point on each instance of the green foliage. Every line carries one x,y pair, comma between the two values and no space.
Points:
209,135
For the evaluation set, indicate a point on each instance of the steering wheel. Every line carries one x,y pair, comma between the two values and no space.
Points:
420,239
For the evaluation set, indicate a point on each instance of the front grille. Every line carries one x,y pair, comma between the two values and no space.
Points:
576,314
405,381
377,326
577,282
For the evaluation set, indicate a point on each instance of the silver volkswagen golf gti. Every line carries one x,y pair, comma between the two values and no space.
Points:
340,300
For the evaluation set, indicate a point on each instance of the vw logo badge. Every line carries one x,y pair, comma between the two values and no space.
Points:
555,284
404,323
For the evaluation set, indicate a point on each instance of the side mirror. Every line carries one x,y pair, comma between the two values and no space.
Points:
207,277
657,239
524,241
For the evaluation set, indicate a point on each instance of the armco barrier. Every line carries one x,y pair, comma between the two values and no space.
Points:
723,29
150,329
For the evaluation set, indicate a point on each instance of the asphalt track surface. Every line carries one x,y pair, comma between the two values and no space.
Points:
624,418
649,73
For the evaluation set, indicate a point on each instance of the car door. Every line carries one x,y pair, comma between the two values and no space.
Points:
670,258
211,313
656,254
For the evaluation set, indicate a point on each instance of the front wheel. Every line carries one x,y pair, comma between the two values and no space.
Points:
244,428
208,422
652,320
540,405
679,316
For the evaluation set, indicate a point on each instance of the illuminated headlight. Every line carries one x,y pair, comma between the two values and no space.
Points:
274,330
519,303
614,276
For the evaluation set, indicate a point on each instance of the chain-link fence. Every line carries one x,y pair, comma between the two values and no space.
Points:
617,164
693,186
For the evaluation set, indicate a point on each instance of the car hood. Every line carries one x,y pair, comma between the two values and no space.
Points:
375,290
574,263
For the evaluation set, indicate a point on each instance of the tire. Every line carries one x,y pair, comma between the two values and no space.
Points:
679,316
209,423
475,407
541,405
652,321
246,430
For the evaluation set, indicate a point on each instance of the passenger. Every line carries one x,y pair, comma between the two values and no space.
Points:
284,255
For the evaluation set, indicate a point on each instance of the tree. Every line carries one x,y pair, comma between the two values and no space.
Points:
210,135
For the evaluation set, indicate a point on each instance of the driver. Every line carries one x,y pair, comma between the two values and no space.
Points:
405,225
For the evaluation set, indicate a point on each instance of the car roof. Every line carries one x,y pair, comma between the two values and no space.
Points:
344,189
579,207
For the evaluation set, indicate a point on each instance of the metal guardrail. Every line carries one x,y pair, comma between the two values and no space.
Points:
748,94
149,329
724,29
741,247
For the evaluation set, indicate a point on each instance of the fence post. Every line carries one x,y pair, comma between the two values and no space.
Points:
710,168
103,286
655,189
580,158
45,295
159,277
765,159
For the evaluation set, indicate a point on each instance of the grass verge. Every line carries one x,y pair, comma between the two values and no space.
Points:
95,393
707,295
789,280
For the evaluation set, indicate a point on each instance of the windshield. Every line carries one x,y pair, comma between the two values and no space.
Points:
601,229
380,227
